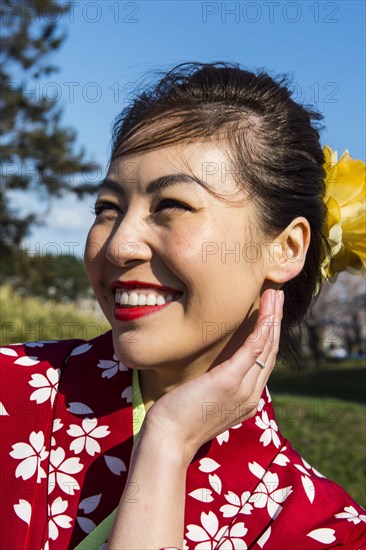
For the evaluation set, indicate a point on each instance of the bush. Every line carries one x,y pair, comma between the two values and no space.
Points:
31,319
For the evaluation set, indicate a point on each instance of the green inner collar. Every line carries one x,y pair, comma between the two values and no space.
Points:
100,534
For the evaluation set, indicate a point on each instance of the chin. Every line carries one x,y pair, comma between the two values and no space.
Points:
134,353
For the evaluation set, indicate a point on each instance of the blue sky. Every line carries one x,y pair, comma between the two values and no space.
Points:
109,44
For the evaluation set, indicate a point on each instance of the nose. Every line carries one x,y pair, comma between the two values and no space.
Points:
128,243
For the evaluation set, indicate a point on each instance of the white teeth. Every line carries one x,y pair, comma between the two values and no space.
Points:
124,298
133,299
142,300
151,300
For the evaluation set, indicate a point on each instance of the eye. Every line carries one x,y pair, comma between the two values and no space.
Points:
101,206
171,204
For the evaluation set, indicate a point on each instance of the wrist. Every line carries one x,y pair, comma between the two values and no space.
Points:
163,447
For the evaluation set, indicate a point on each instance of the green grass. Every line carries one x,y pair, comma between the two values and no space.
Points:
30,319
330,434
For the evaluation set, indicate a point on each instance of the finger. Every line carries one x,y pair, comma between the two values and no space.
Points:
240,365
264,358
258,344
259,375
265,349
264,329
255,343
274,339
274,346
270,341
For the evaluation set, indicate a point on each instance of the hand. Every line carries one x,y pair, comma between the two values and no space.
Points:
199,410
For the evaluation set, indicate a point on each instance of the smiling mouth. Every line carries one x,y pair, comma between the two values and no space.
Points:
143,298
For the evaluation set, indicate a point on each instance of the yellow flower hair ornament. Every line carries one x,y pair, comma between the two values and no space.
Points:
346,220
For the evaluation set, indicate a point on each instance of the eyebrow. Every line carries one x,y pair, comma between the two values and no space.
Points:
155,185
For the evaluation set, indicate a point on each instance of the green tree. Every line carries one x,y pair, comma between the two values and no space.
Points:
58,277
37,153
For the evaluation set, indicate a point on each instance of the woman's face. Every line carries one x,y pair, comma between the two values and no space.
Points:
179,236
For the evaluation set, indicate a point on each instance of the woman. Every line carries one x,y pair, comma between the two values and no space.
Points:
207,247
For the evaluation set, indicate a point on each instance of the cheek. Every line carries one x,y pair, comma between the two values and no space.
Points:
180,250
223,274
194,257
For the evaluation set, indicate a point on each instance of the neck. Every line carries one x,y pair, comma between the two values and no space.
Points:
156,382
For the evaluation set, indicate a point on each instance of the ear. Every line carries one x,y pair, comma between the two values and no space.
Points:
287,252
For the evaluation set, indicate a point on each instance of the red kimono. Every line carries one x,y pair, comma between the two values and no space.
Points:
67,435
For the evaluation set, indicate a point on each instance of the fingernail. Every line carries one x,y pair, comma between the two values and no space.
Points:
281,297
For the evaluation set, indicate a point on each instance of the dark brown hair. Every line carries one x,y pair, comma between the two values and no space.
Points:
274,144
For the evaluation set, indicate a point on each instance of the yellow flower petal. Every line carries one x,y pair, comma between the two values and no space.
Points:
346,215
335,238
331,156
345,180
334,213
354,228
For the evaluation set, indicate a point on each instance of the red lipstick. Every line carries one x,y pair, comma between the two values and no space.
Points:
133,312
123,313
